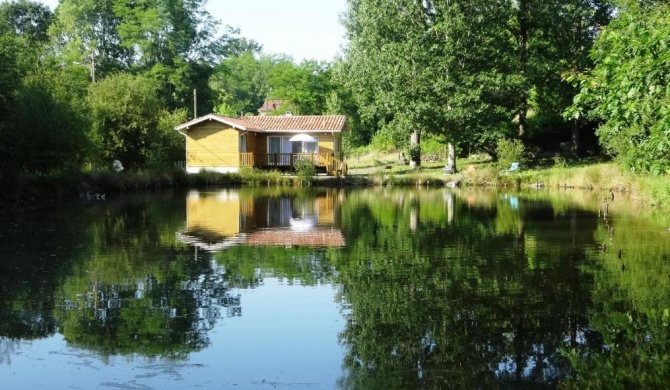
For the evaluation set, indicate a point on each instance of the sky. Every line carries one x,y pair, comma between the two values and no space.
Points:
303,29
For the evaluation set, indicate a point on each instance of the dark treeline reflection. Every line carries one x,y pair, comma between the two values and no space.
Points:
439,289
131,276
483,290
111,277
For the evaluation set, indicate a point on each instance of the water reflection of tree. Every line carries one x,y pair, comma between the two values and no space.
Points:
111,277
137,291
467,303
249,265
630,317
164,315
34,252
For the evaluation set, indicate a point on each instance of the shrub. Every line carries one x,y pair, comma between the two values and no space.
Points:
432,149
509,151
305,170
413,152
249,176
560,162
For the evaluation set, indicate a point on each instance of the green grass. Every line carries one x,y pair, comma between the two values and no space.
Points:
479,170
365,169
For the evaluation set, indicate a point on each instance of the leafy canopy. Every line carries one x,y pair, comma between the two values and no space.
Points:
628,88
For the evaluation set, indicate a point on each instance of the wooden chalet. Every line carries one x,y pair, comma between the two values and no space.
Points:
224,144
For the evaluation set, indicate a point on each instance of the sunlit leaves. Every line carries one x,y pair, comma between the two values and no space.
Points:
125,111
471,71
628,87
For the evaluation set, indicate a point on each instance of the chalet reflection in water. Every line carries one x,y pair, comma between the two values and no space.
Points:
219,219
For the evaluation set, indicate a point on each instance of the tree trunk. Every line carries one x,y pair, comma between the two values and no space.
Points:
415,149
523,113
451,157
574,137
522,47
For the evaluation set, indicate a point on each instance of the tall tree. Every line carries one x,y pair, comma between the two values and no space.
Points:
390,55
303,87
628,87
86,32
175,42
48,124
551,37
469,70
125,112
26,18
240,83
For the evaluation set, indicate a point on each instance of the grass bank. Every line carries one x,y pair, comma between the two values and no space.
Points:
480,171
366,170
95,184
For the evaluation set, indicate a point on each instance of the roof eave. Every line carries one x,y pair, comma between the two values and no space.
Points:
209,117
300,131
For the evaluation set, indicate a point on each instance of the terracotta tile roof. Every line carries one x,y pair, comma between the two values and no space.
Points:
302,123
239,123
268,237
234,122
320,237
298,122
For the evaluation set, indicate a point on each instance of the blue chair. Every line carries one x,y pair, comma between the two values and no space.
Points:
513,168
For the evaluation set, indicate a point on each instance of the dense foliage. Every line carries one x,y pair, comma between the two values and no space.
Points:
467,73
628,88
97,81
473,71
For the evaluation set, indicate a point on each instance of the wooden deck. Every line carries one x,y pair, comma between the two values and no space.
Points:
324,162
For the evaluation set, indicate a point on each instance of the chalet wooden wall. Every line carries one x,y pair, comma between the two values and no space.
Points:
212,144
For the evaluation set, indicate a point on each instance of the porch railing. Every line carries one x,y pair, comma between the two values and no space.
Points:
287,160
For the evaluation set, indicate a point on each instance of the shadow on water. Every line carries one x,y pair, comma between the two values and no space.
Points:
476,289
437,288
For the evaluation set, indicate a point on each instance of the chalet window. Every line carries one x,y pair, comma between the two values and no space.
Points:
310,147
283,145
274,144
279,145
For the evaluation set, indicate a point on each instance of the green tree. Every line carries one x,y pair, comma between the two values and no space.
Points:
9,82
240,83
173,42
125,113
304,87
167,146
26,18
628,87
472,71
23,27
86,32
243,82
341,101
48,123
164,31
389,59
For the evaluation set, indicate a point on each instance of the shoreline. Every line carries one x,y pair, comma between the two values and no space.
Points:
652,191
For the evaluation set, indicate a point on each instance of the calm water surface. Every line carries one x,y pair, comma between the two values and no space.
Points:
325,289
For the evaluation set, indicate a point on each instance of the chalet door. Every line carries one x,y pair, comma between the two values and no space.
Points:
281,148
243,143
274,145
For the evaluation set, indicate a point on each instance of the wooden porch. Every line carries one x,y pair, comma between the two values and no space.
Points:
324,162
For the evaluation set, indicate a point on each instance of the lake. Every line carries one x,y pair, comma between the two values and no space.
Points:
370,288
